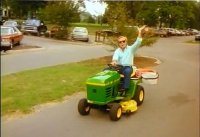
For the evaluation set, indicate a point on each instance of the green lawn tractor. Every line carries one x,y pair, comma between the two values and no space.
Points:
103,91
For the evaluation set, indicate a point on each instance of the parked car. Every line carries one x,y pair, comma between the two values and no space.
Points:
161,32
171,31
10,36
12,23
192,31
187,33
197,36
34,26
80,33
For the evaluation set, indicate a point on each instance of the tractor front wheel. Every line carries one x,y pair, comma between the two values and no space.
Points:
139,95
84,107
115,112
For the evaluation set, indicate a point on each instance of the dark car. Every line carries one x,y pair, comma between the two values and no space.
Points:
34,26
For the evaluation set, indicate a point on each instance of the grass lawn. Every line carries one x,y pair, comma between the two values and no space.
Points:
22,91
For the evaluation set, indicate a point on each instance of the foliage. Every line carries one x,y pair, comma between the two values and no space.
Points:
131,34
60,13
120,21
87,17
180,14
23,9
61,34
176,14
116,15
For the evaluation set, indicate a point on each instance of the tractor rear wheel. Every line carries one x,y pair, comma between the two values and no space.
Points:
84,107
139,95
115,112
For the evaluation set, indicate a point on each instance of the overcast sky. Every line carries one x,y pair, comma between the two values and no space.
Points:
94,7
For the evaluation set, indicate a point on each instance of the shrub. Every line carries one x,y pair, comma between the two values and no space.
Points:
61,34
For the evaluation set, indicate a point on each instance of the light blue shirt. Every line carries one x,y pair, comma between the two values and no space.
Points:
126,57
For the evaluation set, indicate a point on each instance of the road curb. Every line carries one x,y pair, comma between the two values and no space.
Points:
25,50
157,60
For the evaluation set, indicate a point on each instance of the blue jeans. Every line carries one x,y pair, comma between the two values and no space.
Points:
126,71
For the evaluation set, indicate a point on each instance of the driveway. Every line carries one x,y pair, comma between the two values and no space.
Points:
170,108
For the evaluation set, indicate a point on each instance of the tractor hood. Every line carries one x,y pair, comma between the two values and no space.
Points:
104,78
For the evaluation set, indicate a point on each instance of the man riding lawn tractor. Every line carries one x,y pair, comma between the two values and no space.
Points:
117,88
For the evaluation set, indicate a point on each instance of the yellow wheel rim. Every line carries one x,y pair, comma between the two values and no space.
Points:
141,96
119,113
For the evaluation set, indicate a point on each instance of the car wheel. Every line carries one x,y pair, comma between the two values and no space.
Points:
139,95
115,112
38,33
87,40
18,43
84,107
11,45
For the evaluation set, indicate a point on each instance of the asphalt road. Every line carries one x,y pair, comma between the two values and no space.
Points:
52,52
170,108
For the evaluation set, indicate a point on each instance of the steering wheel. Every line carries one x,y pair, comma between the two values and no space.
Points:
115,67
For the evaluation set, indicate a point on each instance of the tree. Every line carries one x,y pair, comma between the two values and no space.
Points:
173,14
176,14
116,15
119,18
21,9
60,13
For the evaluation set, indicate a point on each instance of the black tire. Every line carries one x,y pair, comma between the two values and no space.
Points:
38,33
115,112
139,95
84,107
18,43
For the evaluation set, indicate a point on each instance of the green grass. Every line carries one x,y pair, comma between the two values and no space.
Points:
21,91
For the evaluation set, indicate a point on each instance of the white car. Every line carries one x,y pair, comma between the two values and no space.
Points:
12,23
197,36
80,33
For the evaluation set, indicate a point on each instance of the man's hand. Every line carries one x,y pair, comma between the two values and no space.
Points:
140,30
113,63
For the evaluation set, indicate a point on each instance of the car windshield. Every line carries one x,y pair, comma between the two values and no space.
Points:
5,31
9,23
82,30
33,22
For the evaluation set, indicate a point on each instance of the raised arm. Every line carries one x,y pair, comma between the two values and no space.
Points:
138,41
140,30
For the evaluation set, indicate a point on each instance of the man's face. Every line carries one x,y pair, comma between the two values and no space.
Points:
122,42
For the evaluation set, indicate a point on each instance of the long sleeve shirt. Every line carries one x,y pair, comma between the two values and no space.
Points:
126,57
